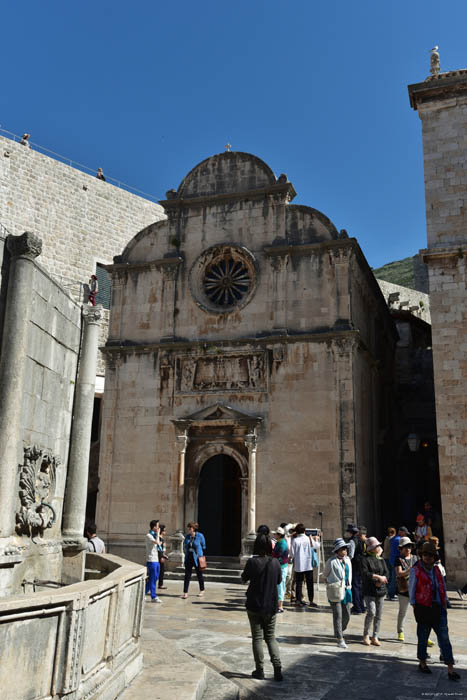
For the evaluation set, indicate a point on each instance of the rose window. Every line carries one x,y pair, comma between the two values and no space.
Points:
227,281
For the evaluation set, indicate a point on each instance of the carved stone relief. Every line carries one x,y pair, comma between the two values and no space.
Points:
37,476
235,372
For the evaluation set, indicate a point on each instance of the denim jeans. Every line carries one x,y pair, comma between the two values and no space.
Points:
189,564
264,627
374,612
442,632
153,575
281,585
357,597
391,579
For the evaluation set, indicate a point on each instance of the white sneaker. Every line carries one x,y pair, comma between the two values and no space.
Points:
156,600
341,644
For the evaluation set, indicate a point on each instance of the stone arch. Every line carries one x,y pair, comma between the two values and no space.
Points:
197,460
210,449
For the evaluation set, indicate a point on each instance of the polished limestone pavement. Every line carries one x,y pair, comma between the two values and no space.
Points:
214,631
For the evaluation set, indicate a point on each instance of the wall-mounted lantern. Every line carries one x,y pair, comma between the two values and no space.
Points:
413,441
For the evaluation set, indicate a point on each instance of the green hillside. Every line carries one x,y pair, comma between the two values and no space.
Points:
399,272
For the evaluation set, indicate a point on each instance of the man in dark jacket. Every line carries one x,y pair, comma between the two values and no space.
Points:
374,584
358,540
264,574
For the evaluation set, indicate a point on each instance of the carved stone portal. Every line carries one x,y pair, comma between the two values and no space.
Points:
221,373
37,476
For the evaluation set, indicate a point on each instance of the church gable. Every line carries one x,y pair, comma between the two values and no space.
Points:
218,413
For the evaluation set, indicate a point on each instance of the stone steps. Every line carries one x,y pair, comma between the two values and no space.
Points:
220,570
219,688
212,575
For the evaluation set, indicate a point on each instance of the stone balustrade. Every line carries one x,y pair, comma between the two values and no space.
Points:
81,641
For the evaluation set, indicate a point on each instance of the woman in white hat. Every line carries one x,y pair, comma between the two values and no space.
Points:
402,567
281,552
375,578
338,576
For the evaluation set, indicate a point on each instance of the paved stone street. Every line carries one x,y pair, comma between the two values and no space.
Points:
215,631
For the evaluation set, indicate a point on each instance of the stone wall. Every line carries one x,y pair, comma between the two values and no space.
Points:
441,102
49,366
400,298
80,641
81,220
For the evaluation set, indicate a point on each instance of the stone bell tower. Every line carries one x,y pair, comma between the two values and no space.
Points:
441,102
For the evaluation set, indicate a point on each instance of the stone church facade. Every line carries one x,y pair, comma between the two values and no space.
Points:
248,354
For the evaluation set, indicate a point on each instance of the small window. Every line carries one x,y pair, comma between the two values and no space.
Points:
103,280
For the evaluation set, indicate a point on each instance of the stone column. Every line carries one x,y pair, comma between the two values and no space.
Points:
78,463
23,250
251,443
182,444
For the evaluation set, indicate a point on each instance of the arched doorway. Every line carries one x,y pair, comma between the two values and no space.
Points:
219,505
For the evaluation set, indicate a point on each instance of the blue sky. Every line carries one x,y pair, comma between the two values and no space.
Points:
316,89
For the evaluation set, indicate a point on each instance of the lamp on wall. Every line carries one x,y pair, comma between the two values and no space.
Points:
413,441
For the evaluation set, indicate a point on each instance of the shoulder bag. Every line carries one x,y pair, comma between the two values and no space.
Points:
336,591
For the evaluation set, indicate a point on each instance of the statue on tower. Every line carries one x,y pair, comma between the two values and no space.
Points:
434,61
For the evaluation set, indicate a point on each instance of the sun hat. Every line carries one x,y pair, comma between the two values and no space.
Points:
403,529
404,541
372,543
280,530
420,518
428,548
339,544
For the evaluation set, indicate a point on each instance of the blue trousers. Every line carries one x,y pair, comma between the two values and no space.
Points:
357,596
153,575
391,580
442,632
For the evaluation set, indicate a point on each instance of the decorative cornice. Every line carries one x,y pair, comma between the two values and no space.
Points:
452,251
318,336
309,248
438,87
285,189
27,245
161,264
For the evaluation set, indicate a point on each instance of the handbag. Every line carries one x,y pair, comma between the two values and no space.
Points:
202,563
336,591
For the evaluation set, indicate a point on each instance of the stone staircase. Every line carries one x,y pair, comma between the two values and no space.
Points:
219,570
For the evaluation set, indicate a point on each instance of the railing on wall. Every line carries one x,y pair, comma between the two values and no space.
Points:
82,639
80,166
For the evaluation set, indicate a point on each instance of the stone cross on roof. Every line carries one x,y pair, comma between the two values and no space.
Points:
228,147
